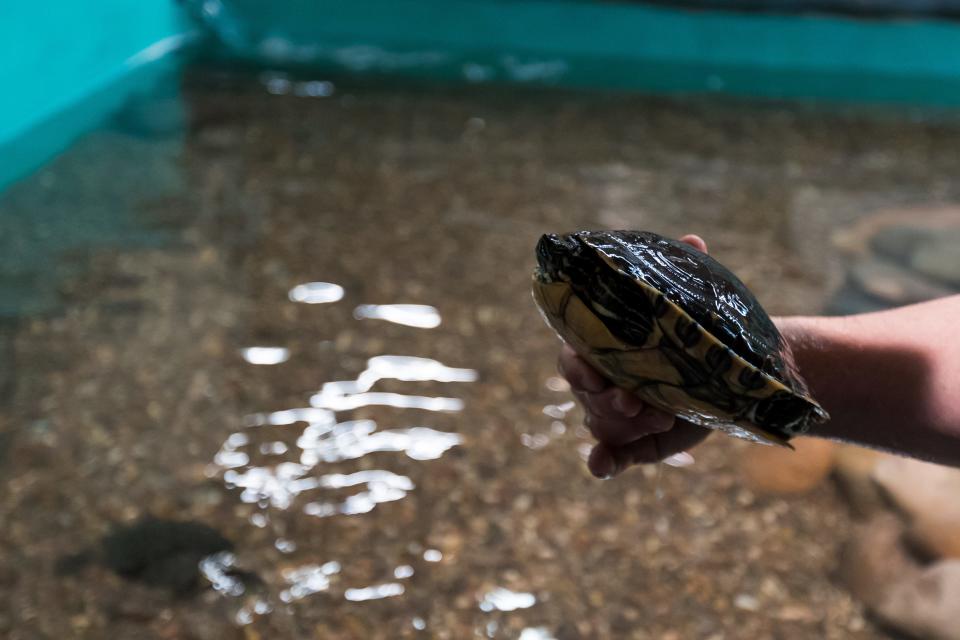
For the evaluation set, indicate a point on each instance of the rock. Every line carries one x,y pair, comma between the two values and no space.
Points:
874,559
900,242
935,537
853,469
927,494
850,299
940,259
796,613
921,490
781,471
895,285
925,605
895,233
161,553
898,257
920,601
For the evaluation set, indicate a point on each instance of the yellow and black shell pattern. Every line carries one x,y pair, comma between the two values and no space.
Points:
673,325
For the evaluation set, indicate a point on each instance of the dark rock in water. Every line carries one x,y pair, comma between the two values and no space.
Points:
925,605
874,560
940,259
898,262
850,299
932,252
893,284
161,553
900,242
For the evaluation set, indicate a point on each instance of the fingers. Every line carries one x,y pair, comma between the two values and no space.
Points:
612,402
607,460
695,241
580,375
620,430
627,431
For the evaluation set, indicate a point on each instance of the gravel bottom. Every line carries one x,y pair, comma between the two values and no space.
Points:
362,520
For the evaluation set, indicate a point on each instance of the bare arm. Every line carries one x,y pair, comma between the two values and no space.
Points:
889,379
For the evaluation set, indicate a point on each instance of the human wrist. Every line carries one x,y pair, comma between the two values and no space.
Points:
813,342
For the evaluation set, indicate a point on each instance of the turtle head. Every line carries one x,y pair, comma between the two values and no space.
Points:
557,255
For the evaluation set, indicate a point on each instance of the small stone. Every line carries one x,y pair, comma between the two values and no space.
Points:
746,602
853,469
940,259
873,560
899,242
895,285
925,605
781,471
936,537
796,613
927,493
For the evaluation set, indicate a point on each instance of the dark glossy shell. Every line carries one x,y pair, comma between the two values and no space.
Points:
675,326
705,289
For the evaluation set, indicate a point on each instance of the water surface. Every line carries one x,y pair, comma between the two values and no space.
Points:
331,357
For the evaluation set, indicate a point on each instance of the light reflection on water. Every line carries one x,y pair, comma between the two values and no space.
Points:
265,355
681,459
412,315
501,599
536,633
356,438
279,83
398,400
307,580
325,439
381,486
375,592
559,411
344,395
316,292
216,568
310,415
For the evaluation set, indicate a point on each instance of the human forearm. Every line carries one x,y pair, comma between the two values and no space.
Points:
889,379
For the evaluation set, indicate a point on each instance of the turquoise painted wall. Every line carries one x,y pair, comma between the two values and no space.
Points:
620,45
65,65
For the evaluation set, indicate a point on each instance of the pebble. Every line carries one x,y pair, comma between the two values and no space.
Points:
796,613
925,605
926,494
874,559
898,257
900,242
780,471
893,284
853,469
940,260
746,602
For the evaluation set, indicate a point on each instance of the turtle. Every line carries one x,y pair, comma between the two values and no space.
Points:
663,320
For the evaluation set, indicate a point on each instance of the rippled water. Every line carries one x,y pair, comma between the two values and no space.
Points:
330,356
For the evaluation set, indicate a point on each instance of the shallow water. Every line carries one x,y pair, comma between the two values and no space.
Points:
310,329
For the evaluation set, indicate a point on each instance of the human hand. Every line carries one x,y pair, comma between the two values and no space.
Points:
628,431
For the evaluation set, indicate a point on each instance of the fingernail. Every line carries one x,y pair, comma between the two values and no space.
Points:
604,467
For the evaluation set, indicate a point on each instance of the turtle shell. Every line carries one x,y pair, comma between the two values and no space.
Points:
673,325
